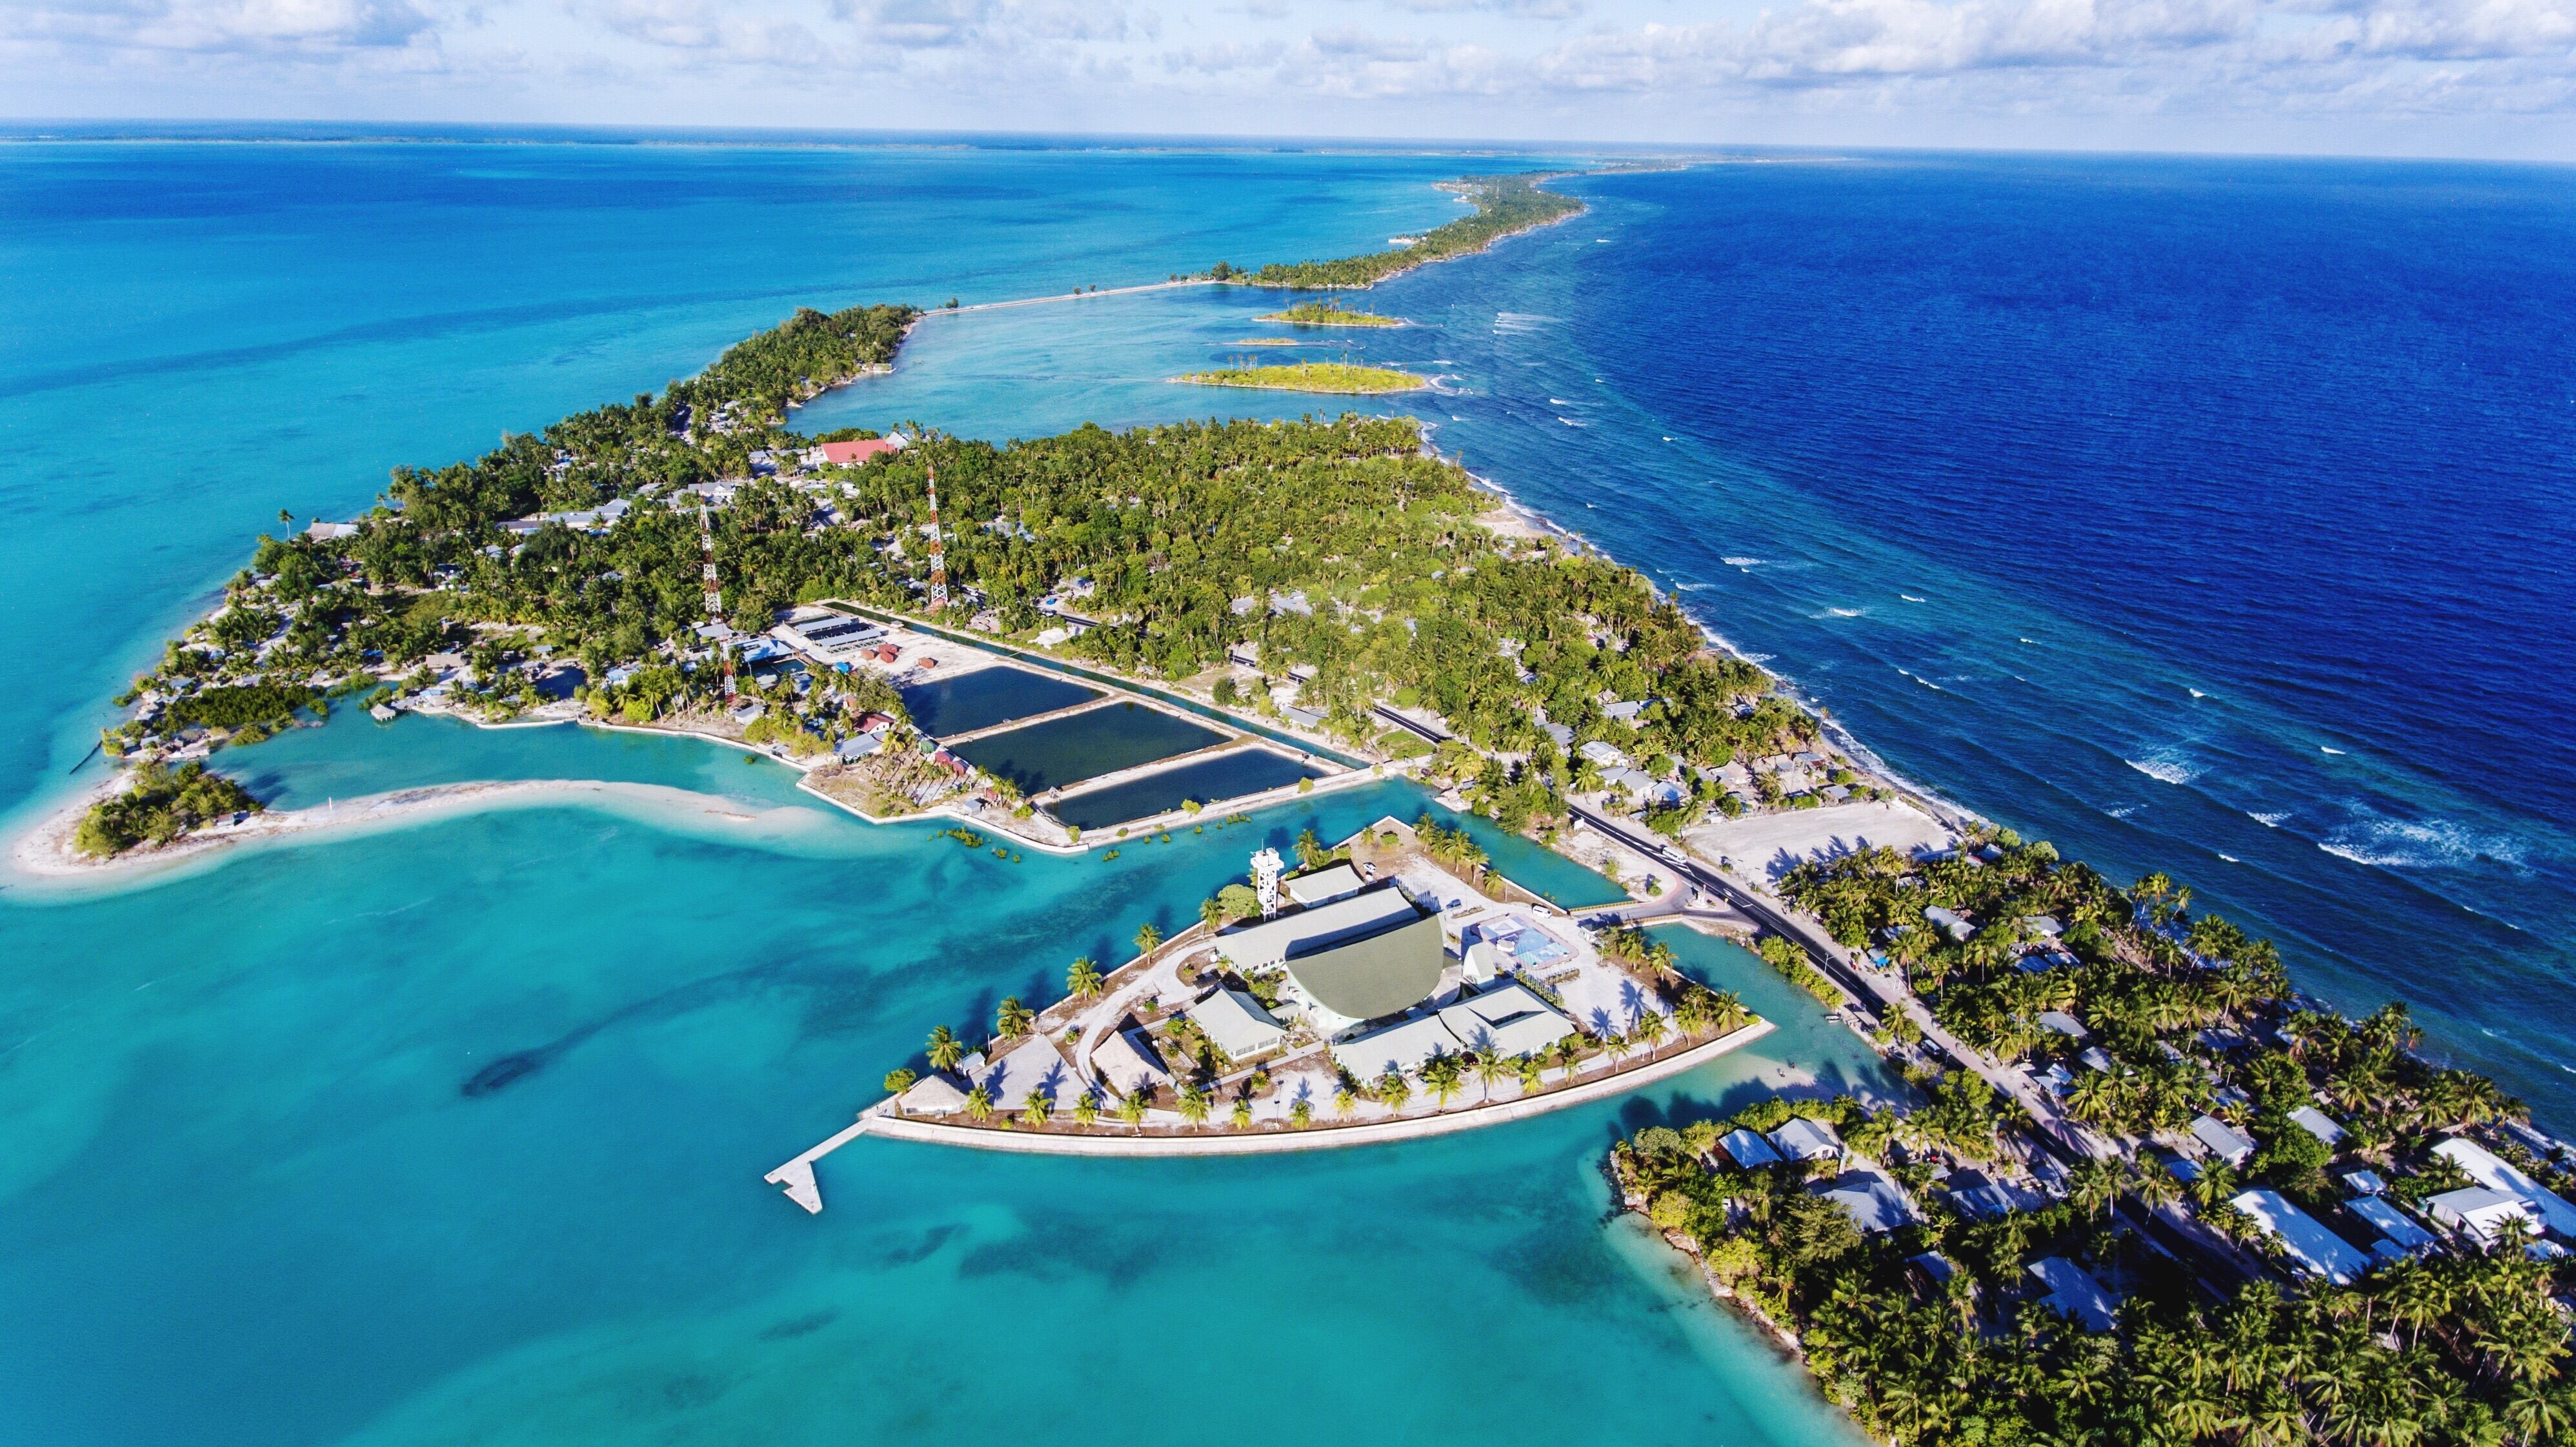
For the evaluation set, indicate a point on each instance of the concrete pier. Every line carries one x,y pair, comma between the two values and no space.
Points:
797,1176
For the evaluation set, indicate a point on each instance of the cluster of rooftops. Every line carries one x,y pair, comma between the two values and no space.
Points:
1358,961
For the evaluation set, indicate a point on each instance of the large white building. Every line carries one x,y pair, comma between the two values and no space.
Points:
1268,944
2303,1238
2498,1174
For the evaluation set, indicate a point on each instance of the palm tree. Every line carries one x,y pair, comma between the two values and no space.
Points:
1012,1019
979,1106
1148,940
1491,1070
945,1049
1345,1099
1532,1072
896,1083
1194,1104
1082,979
1301,1112
1443,1076
1727,1012
1242,1113
2093,1187
1036,1113
1086,1108
1131,1108
1649,1030
1392,1091
2153,1185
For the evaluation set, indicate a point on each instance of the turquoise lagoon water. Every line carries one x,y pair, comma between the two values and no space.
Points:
247,1193
1225,776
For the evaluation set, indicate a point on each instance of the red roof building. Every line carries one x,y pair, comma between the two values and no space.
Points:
851,454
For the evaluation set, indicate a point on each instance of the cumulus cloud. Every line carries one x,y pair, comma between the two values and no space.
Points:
1524,67
218,26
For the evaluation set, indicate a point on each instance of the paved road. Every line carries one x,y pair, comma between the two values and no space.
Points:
2067,1139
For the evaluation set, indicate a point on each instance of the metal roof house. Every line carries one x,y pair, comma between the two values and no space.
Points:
1508,1020
2482,1212
2303,1238
2498,1174
2072,1291
2224,1140
1807,1140
2390,1222
1128,1064
1238,1023
1748,1149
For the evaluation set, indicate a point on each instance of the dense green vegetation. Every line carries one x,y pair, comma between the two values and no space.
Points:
1342,377
158,805
1328,314
1504,204
2466,1348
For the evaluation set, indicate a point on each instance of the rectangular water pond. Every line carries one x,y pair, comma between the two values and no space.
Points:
988,696
1086,746
1224,776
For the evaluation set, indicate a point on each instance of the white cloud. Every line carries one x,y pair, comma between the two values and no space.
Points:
1604,68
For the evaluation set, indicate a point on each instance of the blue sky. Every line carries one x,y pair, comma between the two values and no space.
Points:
2439,77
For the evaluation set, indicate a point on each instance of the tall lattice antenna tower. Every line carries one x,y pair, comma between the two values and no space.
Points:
715,594
938,557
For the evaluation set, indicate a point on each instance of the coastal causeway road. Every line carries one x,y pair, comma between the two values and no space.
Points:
2072,1141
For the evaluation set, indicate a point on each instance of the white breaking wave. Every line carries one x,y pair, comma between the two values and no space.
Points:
2121,811
2406,844
1910,598
2196,693
2032,641
1570,422
1558,402
1919,678
2165,766
2321,748
2232,859
1668,439
1512,322
1693,587
2268,821
1741,562
1839,613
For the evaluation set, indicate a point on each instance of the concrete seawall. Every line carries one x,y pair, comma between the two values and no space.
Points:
879,1122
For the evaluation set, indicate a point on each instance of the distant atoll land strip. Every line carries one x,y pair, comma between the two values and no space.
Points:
1328,314
1336,378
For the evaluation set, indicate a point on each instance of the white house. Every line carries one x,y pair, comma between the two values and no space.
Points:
934,1095
1950,920
1604,754
1238,1023
1807,1140
2482,1212
2303,1238
2497,1174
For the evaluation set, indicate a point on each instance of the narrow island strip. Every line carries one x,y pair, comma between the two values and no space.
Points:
1340,378
1328,314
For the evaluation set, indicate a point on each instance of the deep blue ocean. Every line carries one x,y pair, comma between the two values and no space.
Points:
2194,514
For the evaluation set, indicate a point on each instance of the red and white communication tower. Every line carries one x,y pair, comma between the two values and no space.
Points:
707,573
938,558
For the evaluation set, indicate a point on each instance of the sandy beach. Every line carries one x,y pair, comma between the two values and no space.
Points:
44,853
